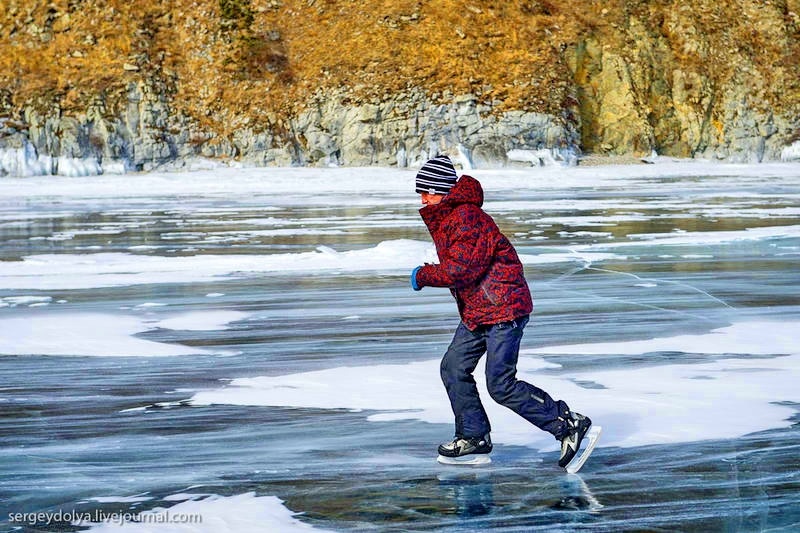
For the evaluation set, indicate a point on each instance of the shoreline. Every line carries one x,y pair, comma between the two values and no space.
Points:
74,168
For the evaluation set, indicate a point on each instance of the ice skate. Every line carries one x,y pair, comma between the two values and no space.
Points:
579,428
466,451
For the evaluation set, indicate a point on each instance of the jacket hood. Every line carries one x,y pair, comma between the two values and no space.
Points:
467,190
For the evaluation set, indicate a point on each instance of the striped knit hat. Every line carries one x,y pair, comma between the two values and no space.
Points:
437,176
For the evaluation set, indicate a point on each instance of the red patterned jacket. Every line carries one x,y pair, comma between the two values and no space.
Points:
476,261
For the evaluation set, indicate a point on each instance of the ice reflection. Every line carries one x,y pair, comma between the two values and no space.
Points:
576,496
471,494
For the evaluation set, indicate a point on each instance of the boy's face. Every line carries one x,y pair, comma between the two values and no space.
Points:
431,199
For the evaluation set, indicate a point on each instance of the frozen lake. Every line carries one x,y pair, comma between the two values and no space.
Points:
243,344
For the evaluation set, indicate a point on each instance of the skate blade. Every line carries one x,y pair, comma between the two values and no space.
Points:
577,462
466,460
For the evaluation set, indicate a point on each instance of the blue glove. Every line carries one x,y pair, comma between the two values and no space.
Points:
414,284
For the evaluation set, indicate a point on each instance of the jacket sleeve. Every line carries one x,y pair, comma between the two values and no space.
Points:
466,256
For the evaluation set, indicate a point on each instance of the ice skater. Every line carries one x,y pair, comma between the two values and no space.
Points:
483,272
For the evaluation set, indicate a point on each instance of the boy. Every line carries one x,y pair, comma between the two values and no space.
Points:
482,270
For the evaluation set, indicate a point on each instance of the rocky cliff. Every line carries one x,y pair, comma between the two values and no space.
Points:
112,86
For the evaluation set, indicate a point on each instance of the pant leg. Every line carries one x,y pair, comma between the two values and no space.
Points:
528,401
457,367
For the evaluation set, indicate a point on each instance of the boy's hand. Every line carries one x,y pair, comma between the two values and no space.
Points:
414,284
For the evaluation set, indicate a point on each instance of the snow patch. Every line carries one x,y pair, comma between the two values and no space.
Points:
26,162
74,167
242,513
83,271
791,152
82,334
14,301
542,158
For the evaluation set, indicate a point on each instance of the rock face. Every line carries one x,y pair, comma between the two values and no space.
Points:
404,131
409,129
645,102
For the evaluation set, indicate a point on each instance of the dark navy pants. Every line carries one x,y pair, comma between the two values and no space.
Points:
501,343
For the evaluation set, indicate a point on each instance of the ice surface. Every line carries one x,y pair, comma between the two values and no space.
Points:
633,209
651,405
241,513
202,320
286,184
756,338
716,237
305,271
120,499
183,496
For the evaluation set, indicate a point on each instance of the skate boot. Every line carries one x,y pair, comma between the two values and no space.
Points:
571,443
463,450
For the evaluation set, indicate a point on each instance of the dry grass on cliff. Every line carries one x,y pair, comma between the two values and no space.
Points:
275,58
229,63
